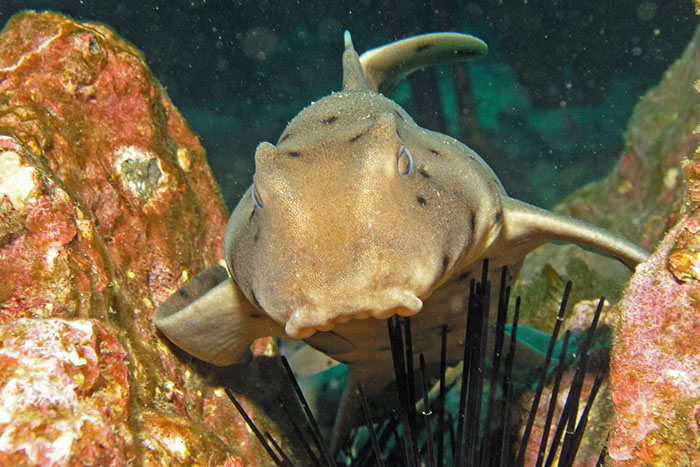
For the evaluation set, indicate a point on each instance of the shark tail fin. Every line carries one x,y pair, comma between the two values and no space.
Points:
384,67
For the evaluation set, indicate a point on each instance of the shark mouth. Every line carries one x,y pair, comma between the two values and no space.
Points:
306,320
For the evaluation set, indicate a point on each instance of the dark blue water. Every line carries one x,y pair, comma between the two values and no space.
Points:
547,108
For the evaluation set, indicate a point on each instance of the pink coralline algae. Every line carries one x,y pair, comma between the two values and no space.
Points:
655,367
107,206
593,439
63,385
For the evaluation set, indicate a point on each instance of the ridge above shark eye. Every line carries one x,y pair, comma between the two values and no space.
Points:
255,196
405,161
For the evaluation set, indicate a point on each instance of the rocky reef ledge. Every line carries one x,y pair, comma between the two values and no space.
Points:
107,205
655,364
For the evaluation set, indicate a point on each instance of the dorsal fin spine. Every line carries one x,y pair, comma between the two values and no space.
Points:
353,76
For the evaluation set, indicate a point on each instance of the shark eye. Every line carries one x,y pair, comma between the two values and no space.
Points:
405,161
255,196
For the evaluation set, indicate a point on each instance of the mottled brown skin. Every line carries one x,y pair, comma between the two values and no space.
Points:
358,214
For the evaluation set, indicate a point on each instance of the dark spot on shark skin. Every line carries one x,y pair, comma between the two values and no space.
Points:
494,191
183,294
423,172
283,137
445,263
465,53
356,138
498,217
330,120
423,48
294,154
435,153
399,114
472,221
421,200
463,275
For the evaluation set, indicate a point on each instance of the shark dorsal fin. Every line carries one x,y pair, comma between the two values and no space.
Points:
353,76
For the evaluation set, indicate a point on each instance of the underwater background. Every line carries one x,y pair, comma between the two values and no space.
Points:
546,108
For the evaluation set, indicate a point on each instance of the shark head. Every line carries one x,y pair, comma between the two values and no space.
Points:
356,212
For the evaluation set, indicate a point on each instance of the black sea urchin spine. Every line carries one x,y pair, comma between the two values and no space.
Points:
472,440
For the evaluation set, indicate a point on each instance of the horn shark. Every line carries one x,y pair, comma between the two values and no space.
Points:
358,214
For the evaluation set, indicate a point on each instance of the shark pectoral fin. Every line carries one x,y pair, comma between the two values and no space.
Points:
211,319
525,227
385,66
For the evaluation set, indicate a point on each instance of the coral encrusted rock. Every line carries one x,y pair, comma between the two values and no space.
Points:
107,205
655,364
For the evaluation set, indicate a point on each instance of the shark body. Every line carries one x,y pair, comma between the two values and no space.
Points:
358,214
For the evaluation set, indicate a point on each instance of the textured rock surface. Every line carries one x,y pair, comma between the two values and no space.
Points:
107,205
655,369
655,366
654,378
595,435
63,385
656,355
